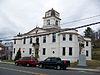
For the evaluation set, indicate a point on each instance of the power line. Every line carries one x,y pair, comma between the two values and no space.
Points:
64,24
66,29
80,19
82,26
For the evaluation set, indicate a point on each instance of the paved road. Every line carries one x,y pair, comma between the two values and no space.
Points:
8,69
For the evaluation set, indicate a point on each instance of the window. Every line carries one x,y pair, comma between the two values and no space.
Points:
48,59
63,51
54,37
26,58
70,50
44,39
53,52
70,37
56,22
44,51
48,22
37,40
7,48
23,51
24,40
47,14
87,53
64,37
14,41
86,43
30,40
30,50
14,50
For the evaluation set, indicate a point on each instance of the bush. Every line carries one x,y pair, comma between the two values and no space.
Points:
18,55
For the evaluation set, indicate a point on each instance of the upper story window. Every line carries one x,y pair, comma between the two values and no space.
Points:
24,40
48,22
37,40
54,37
47,14
87,43
56,14
56,22
44,39
63,51
30,40
14,41
64,37
70,51
70,37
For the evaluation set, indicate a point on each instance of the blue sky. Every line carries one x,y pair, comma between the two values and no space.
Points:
24,15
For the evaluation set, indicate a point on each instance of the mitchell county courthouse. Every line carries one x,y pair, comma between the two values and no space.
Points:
52,41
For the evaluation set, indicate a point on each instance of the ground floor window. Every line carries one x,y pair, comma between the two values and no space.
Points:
44,51
14,50
70,51
30,50
87,52
63,51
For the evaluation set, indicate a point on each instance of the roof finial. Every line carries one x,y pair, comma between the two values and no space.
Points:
37,26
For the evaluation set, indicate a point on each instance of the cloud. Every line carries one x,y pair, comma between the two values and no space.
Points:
7,26
23,15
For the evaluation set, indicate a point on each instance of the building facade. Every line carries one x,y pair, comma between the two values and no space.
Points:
8,50
2,52
51,41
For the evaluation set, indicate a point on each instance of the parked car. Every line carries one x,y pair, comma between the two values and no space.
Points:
54,62
27,61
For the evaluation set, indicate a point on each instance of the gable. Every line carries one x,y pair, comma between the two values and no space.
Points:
36,30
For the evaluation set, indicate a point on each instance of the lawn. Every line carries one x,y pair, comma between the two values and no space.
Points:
93,64
96,54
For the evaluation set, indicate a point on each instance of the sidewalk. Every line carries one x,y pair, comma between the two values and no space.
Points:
69,68
84,69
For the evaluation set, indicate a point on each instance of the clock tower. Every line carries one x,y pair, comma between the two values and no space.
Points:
51,19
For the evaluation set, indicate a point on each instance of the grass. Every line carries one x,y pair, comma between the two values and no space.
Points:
93,64
8,61
96,54
96,49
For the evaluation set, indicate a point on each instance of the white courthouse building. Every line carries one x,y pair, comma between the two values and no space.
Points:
52,41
